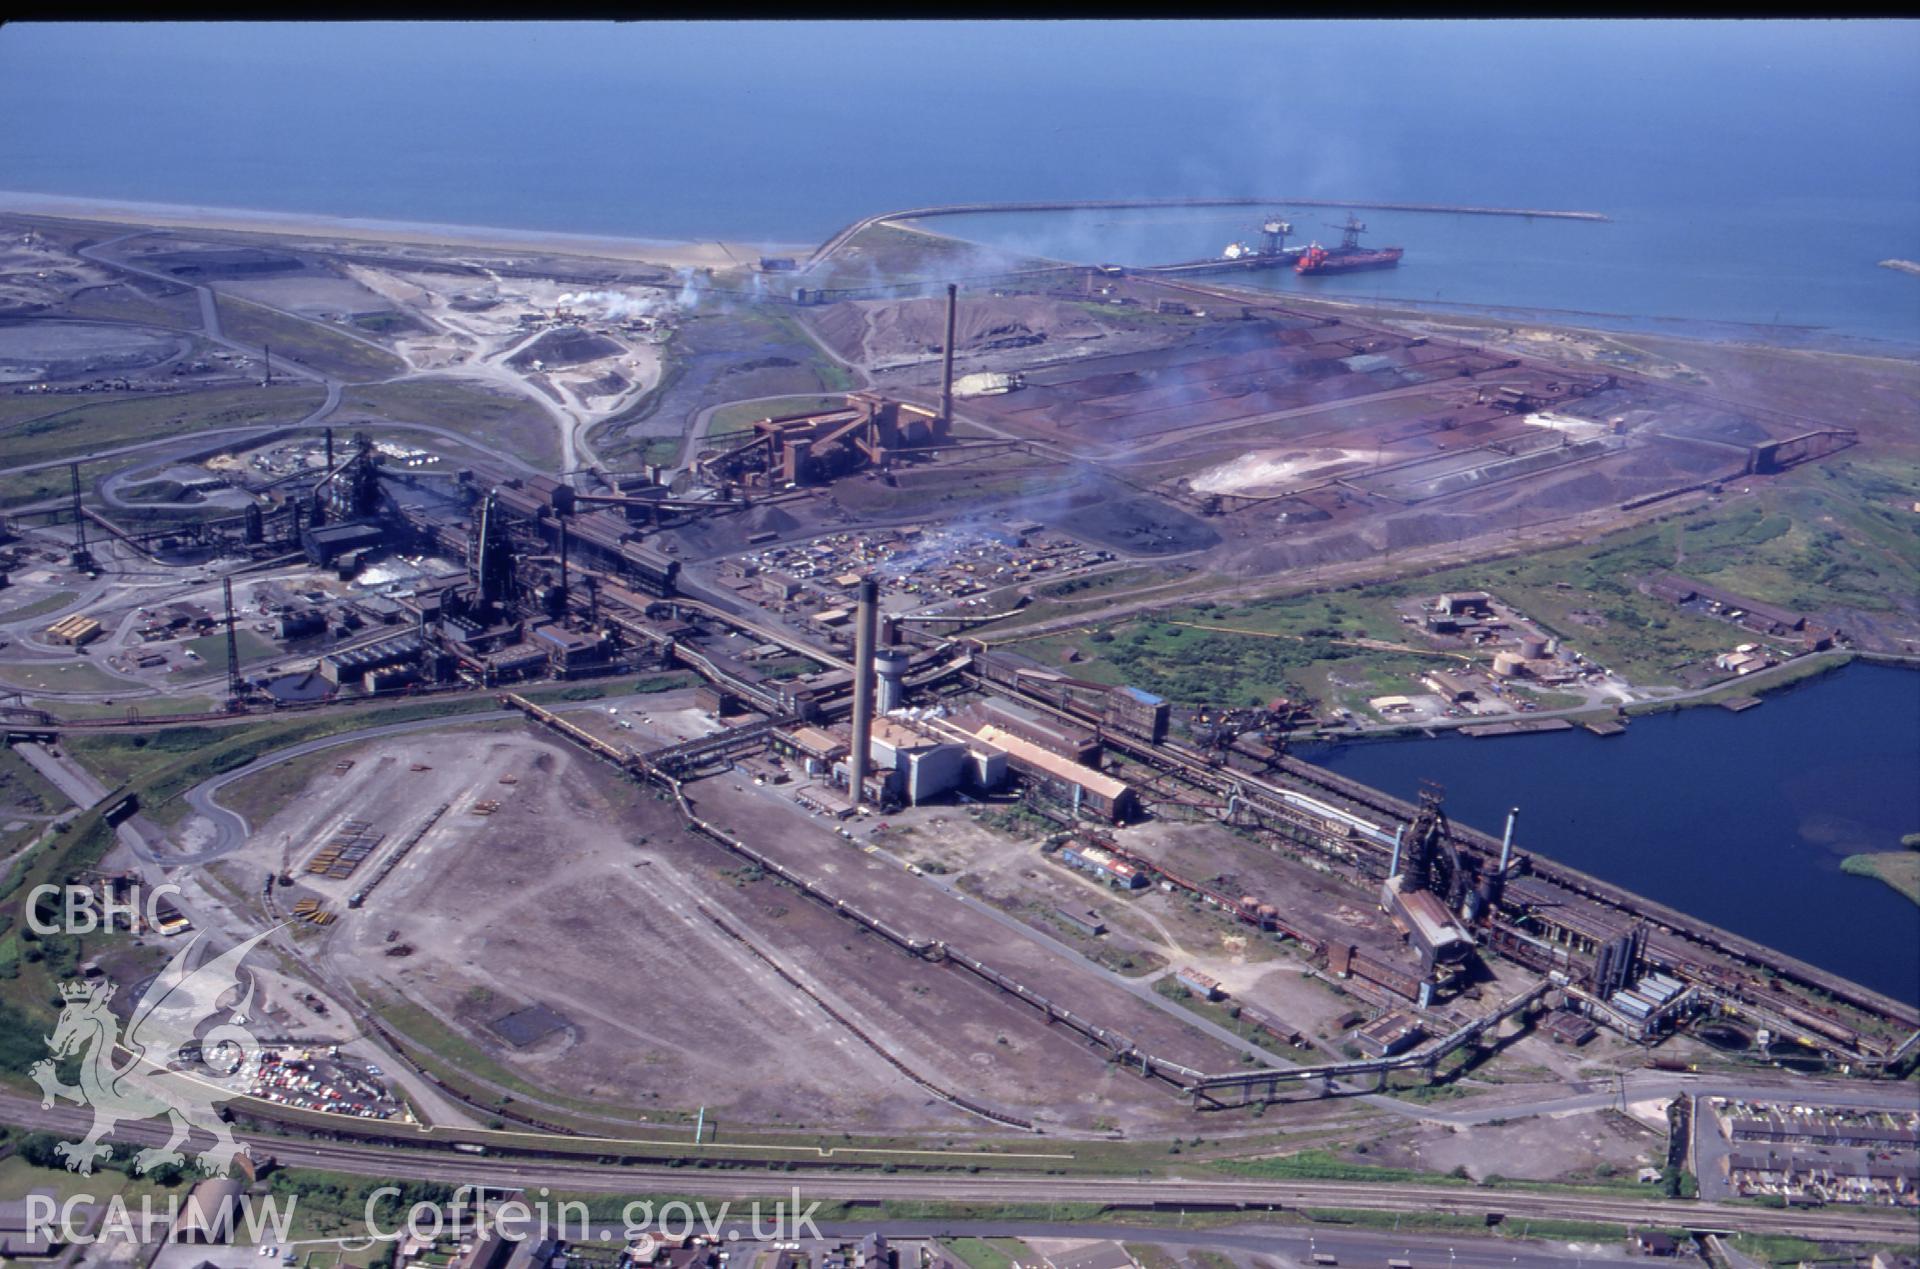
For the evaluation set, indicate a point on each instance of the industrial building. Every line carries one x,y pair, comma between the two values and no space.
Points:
1392,1032
1062,780
1201,985
923,768
806,449
327,543
348,667
74,631
1427,922
1140,713
1102,864
1063,739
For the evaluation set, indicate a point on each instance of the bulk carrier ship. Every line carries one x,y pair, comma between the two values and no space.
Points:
1349,256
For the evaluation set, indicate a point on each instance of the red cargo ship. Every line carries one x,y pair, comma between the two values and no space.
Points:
1349,256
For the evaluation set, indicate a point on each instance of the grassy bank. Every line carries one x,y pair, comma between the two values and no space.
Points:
103,423
1898,868
495,420
310,343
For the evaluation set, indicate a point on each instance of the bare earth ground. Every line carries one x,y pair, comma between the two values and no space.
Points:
1538,1147
585,895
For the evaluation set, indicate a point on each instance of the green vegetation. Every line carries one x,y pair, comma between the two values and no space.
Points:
1151,1256
100,423
1779,1249
145,706
40,607
212,653
24,789
890,253
659,450
1442,1222
1190,665
1226,1014
1898,868
496,420
830,374
989,1253
35,1166
1128,317
258,795
63,676
1838,533
385,323
312,344
128,303
334,1204
1324,1165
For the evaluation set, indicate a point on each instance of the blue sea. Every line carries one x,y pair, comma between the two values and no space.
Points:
1756,171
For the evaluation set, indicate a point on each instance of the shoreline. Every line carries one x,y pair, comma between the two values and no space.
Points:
1899,869
137,214
1812,667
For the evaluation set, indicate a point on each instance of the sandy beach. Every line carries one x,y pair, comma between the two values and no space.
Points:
679,254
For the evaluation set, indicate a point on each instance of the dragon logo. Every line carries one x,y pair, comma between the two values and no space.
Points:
164,1029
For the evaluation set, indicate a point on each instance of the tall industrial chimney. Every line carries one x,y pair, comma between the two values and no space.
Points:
1506,843
946,357
863,634
1393,869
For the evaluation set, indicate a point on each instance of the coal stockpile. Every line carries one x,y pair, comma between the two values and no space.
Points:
565,346
1109,515
239,262
727,534
609,384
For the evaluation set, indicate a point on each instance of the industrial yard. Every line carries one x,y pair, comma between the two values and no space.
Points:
823,710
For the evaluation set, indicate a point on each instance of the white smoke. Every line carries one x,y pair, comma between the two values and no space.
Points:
689,289
615,306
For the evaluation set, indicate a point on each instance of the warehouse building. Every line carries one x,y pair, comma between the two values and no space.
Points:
1062,780
1103,865
330,541
1076,744
74,631
1390,1033
352,665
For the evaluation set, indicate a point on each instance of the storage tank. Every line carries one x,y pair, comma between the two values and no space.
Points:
1509,665
1533,647
890,667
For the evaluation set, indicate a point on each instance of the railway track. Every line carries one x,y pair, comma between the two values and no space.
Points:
836,1181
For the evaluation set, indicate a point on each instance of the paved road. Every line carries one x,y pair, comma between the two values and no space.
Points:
832,1183
1295,1244
82,788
